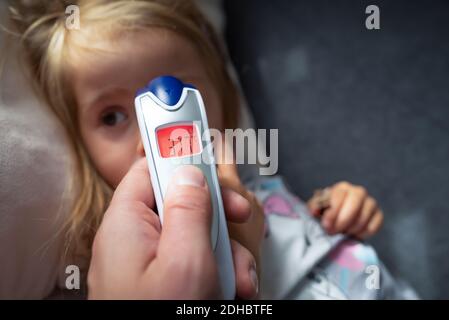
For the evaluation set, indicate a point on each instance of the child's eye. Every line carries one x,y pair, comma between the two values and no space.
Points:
112,118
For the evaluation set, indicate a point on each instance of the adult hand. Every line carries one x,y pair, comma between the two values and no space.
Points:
134,258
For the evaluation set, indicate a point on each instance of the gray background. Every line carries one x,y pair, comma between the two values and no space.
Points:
370,107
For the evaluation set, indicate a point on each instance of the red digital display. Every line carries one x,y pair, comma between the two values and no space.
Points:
178,140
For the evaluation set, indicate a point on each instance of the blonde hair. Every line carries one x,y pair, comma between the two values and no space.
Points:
46,42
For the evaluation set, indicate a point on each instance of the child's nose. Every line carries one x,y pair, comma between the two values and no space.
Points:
140,150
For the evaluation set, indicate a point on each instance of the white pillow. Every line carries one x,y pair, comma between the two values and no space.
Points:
34,166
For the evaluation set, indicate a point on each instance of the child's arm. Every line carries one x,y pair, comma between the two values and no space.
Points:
347,208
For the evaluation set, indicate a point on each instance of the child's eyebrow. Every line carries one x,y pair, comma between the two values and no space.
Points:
97,98
107,94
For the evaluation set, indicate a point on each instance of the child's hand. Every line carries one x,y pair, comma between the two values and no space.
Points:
347,209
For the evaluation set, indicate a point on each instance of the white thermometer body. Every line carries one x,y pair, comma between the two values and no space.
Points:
174,129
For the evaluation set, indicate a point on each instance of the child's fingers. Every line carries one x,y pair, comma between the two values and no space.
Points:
368,210
350,209
319,202
313,207
338,194
373,226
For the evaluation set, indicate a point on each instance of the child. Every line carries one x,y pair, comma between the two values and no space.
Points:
89,77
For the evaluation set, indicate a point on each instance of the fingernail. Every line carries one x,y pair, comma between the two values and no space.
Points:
243,201
254,278
188,175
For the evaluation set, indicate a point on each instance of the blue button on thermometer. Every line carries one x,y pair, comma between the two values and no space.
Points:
174,129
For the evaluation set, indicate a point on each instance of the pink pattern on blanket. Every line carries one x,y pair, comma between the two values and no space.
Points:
279,205
345,255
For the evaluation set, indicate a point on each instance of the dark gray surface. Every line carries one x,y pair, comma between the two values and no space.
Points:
370,107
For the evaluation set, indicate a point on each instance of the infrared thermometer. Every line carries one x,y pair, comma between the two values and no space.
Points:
174,129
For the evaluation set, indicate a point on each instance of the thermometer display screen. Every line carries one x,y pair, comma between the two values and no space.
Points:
178,140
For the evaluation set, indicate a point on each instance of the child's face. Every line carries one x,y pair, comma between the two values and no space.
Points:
105,84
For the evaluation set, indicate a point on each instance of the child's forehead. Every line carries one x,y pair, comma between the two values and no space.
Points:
115,40
108,44
157,48
130,61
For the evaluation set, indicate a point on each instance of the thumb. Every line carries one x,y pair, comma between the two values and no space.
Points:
187,214
319,202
